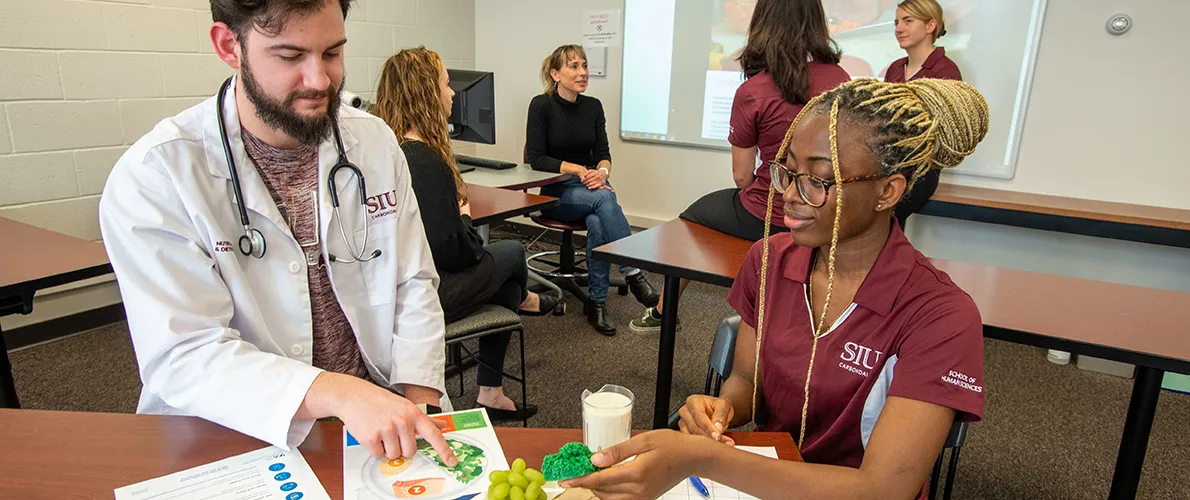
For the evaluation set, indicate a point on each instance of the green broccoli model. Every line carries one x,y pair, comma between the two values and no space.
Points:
573,460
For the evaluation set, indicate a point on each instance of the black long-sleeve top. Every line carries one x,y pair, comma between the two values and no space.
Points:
559,130
453,240
467,272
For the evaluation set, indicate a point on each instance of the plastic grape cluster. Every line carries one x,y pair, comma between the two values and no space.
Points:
520,483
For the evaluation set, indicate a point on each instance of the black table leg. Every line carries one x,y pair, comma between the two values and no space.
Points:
665,355
8,389
1145,391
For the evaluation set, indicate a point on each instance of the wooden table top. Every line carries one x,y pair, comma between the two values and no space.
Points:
75,455
489,204
1120,322
1126,323
519,178
1124,213
32,258
683,249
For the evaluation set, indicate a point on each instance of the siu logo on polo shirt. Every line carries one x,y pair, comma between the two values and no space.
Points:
859,359
382,205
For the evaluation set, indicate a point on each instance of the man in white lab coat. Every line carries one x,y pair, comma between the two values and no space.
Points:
255,299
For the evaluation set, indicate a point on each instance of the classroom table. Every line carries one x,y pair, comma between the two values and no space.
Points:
676,249
32,259
519,178
1141,326
1104,219
49,454
489,204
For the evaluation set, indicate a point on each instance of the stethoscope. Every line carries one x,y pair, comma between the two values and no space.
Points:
252,242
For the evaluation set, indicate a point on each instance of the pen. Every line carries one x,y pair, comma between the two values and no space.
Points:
702,488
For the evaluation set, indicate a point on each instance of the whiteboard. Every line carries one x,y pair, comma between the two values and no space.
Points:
671,94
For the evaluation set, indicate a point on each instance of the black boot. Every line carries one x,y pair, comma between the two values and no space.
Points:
597,316
642,290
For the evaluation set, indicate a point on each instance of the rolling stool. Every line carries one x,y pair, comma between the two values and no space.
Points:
566,274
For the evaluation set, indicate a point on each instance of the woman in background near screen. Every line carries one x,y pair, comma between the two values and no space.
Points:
566,132
919,25
790,58
414,98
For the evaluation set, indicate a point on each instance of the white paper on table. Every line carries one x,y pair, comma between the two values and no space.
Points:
268,473
685,491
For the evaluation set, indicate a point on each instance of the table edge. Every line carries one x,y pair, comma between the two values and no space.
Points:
519,211
59,279
663,269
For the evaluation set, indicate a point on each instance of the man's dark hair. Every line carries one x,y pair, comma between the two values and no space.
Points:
267,16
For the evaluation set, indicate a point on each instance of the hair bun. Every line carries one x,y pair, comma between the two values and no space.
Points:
960,116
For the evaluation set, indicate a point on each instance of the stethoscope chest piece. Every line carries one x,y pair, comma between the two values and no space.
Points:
252,243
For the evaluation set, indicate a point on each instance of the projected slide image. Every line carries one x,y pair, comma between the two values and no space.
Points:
681,60
864,30
730,33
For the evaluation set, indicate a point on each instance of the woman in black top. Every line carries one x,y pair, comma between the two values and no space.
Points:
414,98
567,133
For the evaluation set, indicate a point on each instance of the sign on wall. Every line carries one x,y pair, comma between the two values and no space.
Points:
601,28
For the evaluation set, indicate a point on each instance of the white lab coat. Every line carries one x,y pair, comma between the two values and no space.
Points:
228,337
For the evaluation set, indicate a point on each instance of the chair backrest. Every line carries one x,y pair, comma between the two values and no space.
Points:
954,443
958,435
719,363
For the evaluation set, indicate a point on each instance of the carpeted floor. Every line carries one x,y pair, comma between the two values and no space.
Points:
1049,432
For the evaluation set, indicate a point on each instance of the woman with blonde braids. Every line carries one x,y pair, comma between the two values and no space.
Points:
414,98
864,352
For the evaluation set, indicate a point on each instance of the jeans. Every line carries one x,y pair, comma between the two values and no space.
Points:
512,272
605,223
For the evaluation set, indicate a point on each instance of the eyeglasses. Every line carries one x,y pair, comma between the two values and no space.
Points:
813,189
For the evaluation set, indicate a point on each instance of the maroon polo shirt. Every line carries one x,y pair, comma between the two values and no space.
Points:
760,117
910,332
936,66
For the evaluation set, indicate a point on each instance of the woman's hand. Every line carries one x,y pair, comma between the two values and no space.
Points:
706,416
663,459
595,179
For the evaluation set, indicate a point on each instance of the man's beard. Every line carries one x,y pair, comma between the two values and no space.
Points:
280,115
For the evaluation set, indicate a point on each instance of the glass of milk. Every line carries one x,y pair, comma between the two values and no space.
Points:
607,416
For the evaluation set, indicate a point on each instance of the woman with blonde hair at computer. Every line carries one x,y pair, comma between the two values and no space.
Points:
414,98
566,132
919,25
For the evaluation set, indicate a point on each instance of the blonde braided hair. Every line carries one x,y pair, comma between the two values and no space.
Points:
918,126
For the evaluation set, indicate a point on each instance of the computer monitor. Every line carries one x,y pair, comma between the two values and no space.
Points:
473,116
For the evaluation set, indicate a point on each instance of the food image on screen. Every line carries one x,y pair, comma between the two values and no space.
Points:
681,68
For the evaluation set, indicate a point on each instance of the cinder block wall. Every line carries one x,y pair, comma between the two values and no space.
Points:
80,80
